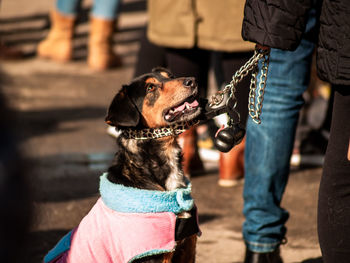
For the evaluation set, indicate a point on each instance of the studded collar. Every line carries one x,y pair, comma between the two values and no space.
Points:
156,133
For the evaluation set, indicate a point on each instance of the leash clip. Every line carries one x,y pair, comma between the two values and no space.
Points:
216,99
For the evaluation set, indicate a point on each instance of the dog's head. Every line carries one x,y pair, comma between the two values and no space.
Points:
154,100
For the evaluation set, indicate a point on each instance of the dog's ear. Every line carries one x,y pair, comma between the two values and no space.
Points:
122,111
163,71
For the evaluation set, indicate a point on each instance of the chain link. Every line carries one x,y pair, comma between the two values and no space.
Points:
256,100
254,103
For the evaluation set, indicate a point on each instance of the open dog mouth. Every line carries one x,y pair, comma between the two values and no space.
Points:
186,110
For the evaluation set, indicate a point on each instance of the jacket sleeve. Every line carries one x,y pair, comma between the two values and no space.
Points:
275,23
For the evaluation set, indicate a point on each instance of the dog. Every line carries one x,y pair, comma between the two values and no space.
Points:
146,212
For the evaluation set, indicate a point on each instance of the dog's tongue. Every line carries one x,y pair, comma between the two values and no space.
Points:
177,110
193,104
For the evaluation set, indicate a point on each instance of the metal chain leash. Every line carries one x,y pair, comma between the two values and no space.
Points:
255,103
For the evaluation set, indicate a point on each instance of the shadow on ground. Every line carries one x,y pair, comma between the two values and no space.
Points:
41,242
313,260
45,121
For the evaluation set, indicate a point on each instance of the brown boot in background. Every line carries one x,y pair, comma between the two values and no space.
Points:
58,44
191,160
101,55
231,166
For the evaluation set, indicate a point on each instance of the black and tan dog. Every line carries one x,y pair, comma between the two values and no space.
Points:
154,100
145,189
151,101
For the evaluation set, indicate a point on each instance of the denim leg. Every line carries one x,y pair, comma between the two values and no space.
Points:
68,7
269,147
105,9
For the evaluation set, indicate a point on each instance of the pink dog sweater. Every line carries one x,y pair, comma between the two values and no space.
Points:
125,224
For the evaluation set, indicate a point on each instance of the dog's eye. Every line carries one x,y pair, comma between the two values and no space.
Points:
150,87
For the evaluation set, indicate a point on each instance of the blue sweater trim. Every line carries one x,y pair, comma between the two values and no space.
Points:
151,253
132,200
62,246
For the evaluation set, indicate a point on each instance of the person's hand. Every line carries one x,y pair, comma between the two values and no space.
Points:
265,48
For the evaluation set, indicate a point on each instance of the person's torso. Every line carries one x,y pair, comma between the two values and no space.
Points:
212,25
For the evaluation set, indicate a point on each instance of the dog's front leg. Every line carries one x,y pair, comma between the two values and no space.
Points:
185,251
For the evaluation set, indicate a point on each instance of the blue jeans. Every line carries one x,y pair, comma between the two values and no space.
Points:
269,147
105,9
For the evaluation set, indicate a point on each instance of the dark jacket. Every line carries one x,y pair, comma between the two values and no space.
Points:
281,23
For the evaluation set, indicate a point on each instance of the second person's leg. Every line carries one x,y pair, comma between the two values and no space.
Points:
102,26
58,45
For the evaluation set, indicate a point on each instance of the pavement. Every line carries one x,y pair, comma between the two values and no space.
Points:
61,109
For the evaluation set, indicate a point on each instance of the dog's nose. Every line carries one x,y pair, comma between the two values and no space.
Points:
189,82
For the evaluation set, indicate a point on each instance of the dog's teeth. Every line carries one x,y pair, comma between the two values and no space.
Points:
188,106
